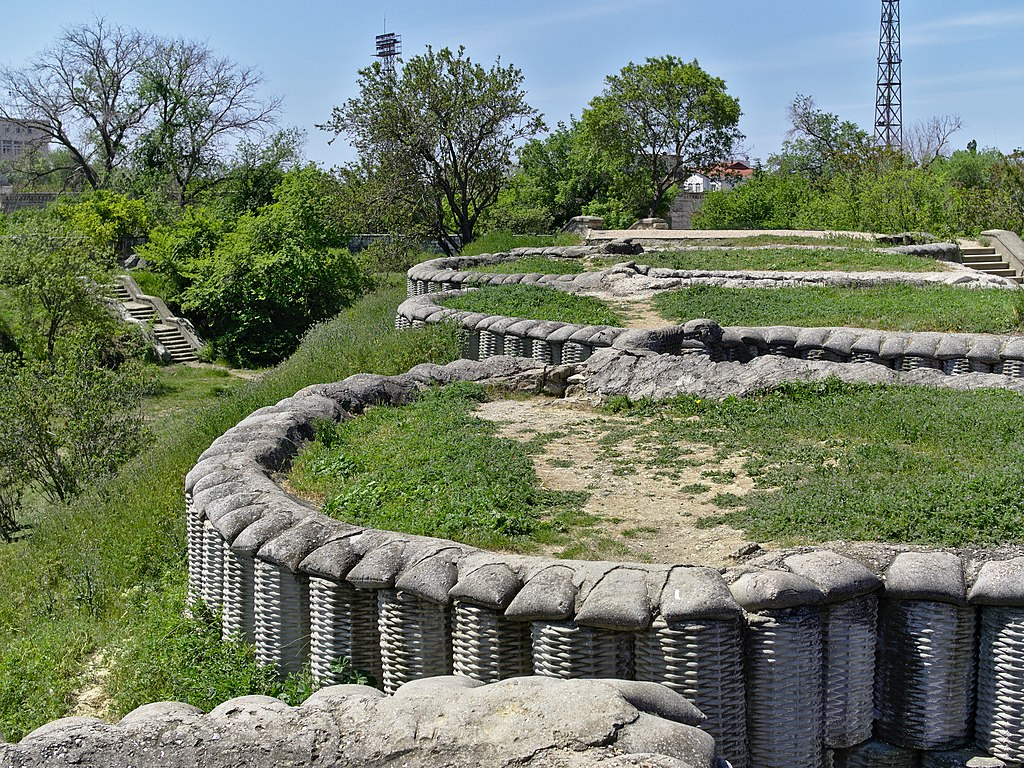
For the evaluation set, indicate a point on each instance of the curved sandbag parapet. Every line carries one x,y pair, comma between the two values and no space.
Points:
794,658
451,721
632,278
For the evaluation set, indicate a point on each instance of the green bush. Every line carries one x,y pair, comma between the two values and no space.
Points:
252,289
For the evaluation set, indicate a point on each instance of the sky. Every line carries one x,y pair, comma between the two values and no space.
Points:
959,56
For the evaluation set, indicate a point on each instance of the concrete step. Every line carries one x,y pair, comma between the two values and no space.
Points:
985,266
1000,272
981,259
979,251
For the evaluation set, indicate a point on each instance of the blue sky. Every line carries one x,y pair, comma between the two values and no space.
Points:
958,57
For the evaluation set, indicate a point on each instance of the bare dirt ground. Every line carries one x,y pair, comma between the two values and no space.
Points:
648,516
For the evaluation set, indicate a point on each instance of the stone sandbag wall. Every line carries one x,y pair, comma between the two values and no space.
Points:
550,342
454,722
482,336
807,658
629,277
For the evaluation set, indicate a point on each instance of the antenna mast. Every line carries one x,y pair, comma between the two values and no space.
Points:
389,48
889,101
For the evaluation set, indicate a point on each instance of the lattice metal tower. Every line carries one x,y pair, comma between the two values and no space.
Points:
889,101
389,48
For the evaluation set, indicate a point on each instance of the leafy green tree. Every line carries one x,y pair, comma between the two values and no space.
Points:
256,169
57,278
201,104
765,201
819,143
254,289
444,130
107,220
64,423
657,120
557,176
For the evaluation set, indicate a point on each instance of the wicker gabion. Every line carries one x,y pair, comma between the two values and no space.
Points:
415,637
703,661
488,647
567,650
238,612
999,591
785,699
281,618
924,686
343,626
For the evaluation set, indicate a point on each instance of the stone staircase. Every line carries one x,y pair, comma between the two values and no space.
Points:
169,336
985,259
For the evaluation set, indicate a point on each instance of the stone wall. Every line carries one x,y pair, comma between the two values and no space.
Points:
446,721
809,658
483,336
630,278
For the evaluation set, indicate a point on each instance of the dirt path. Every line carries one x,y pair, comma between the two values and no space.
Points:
91,699
638,313
648,517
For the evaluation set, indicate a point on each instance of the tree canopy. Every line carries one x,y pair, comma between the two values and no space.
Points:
444,129
660,119
117,100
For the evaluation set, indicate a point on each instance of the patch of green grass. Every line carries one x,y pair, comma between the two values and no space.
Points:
719,476
89,575
434,469
642,530
843,461
695,488
727,500
892,308
843,241
503,242
543,265
533,302
790,259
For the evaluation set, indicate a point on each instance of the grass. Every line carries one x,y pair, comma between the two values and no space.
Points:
103,572
893,308
432,468
787,259
844,241
536,303
503,242
543,265
843,461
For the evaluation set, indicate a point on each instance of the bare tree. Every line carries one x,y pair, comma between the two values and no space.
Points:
82,93
202,103
926,141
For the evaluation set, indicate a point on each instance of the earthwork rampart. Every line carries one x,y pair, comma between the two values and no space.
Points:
828,656
808,658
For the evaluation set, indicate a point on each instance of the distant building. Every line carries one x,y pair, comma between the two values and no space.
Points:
17,139
724,176
697,184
